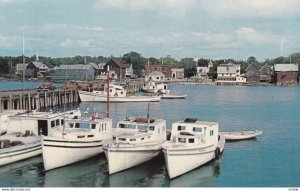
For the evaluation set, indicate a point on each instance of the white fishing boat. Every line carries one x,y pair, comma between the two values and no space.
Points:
22,139
240,135
117,94
192,144
135,141
79,140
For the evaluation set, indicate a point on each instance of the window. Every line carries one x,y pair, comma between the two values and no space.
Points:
57,122
52,123
90,136
142,138
71,125
181,140
122,139
191,140
121,125
142,127
129,126
152,128
62,121
114,138
77,125
93,126
132,139
197,129
211,133
181,128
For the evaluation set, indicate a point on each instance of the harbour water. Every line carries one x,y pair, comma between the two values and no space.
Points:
271,160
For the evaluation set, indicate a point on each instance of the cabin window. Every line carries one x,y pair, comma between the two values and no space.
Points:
197,129
181,128
57,122
114,138
142,126
52,123
121,125
80,136
142,138
121,93
132,139
191,140
93,126
122,139
129,126
181,140
211,133
71,125
77,125
90,136
62,121
110,90
151,128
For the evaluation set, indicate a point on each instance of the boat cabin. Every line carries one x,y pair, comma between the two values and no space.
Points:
37,123
192,131
116,91
140,129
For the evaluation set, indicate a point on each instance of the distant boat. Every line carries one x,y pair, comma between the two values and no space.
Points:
240,135
173,96
135,141
117,94
192,144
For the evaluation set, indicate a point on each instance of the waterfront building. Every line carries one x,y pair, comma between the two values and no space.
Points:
36,69
117,69
165,69
202,72
20,68
286,74
128,70
252,73
155,76
177,73
83,72
266,74
229,74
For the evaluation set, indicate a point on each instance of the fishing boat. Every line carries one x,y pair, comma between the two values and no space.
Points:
117,94
80,139
22,138
135,141
240,135
192,144
173,96
151,86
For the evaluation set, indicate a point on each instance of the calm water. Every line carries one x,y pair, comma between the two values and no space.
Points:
271,160
13,85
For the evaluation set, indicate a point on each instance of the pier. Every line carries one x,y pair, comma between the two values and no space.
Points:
31,99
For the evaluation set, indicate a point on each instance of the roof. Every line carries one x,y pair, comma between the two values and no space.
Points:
286,68
252,65
75,67
226,70
39,65
118,63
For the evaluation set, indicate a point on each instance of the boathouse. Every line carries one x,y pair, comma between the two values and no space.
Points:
83,72
252,73
286,74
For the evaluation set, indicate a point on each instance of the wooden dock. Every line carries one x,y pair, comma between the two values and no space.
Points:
31,99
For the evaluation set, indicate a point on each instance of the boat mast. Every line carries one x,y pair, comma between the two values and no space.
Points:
23,57
107,91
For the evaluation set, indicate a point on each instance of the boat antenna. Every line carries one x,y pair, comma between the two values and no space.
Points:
107,91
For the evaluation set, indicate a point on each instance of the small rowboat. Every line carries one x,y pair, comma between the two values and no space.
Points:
240,135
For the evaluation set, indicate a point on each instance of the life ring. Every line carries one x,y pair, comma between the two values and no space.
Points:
217,153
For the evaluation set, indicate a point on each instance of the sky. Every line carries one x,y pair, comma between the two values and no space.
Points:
213,29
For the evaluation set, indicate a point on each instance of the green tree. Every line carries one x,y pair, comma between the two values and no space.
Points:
137,61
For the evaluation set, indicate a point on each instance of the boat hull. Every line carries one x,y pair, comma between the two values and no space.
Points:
61,152
11,155
120,159
90,96
240,135
181,162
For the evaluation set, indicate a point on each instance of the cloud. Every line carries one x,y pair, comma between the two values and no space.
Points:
241,9
76,43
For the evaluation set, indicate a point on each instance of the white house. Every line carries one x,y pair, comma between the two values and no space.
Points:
229,74
128,70
156,76
177,73
202,72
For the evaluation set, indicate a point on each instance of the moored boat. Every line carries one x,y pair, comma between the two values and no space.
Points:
240,135
79,140
117,94
135,141
192,144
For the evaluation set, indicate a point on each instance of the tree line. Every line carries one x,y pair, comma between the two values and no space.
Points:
139,62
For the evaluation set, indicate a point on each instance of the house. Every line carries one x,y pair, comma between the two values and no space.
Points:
286,74
165,69
229,74
81,72
100,71
20,68
116,68
266,74
36,69
252,73
129,70
177,73
202,72
155,76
